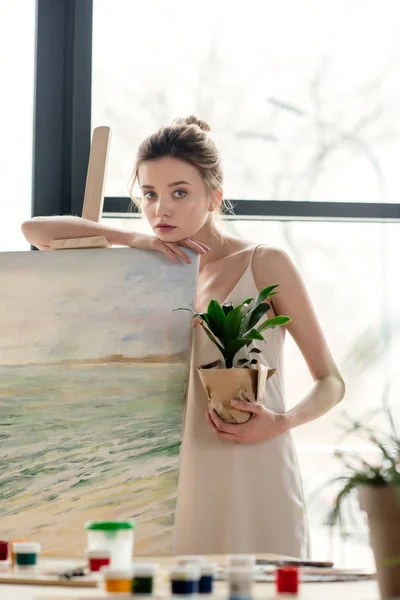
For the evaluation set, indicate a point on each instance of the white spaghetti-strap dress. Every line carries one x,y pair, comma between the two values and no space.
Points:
235,498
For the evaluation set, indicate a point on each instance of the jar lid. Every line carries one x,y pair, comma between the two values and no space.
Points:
109,525
142,569
241,560
190,572
190,559
207,568
26,547
111,573
98,553
240,573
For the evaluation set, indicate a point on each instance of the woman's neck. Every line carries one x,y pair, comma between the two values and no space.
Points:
211,235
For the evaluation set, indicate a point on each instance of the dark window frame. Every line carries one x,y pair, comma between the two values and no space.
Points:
62,111
283,210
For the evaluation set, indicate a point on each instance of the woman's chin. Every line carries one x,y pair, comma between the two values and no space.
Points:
171,236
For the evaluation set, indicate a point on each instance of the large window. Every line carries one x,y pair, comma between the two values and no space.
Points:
302,97
17,36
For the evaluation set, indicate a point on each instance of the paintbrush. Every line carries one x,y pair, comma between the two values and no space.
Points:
294,563
76,572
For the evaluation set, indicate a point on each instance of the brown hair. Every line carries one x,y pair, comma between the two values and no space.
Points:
187,140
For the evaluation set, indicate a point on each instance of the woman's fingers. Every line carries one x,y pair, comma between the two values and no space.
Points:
179,252
164,249
174,252
232,429
220,434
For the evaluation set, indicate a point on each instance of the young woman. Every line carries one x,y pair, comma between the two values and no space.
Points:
239,488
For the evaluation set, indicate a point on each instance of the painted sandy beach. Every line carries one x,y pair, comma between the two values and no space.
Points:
92,436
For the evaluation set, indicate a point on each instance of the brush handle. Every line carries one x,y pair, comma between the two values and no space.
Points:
295,563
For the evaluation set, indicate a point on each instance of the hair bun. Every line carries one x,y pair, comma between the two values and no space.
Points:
192,120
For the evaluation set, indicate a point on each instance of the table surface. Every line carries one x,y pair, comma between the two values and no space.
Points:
362,590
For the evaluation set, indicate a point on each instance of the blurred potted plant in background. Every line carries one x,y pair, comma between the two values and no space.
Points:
377,485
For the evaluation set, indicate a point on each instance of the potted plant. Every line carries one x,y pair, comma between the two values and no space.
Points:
377,485
232,329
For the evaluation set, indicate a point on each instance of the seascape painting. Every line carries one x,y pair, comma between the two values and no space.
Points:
93,368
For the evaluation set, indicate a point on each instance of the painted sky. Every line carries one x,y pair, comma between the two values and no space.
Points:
83,304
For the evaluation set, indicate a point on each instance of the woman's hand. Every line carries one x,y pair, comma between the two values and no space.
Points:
172,250
264,424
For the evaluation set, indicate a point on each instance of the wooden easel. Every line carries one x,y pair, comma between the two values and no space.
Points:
94,193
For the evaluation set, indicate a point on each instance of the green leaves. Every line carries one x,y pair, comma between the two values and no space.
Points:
233,324
199,315
213,340
382,471
260,308
253,316
232,348
265,293
255,335
232,328
216,319
275,322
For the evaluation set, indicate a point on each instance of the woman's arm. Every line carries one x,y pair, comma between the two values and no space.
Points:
40,231
274,266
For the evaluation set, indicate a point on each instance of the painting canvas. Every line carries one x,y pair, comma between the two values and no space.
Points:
93,368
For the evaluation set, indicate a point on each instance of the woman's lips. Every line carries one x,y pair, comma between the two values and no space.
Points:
165,228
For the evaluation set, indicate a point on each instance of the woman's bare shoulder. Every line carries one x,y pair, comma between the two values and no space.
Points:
267,260
270,253
271,263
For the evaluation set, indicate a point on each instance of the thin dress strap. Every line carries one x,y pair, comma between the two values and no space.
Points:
252,255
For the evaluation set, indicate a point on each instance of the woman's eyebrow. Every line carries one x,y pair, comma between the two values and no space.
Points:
151,187
178,183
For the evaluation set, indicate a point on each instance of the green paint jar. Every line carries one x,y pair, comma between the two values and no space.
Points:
26,555
115,536
143,578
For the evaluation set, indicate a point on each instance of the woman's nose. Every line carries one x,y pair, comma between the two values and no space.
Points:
163,208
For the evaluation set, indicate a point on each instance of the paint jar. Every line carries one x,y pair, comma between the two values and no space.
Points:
11,550
185,579
26,555
287,580
241,560
207,573
117,581
98,559
240,582
115,536
143,578
3,550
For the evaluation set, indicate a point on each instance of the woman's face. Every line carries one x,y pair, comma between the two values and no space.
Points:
175,200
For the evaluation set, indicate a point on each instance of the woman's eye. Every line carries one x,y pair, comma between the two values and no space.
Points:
149,195
180,193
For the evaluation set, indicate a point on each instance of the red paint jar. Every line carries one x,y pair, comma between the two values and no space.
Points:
287,580
98,559
3,550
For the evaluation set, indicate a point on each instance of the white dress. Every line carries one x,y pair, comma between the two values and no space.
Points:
236,498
